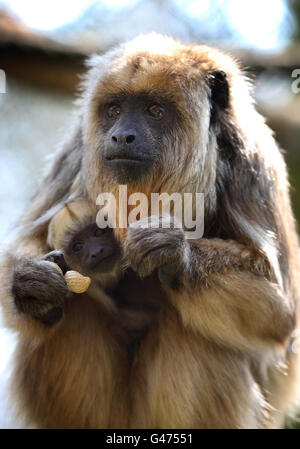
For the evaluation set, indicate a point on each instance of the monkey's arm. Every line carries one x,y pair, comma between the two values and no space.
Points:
24,254
226,292
221,289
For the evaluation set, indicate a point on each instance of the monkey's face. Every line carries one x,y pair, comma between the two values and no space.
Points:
93,250
134,126
152,116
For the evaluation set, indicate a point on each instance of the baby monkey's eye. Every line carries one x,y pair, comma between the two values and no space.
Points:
77,247
98,232
156,111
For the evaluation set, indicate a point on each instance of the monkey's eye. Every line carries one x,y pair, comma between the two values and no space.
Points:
113,111
156,111
98,232
77,247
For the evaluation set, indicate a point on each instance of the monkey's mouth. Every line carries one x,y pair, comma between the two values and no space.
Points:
106,264
124,158
126,167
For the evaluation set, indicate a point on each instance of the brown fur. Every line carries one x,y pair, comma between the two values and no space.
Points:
219,355
47,371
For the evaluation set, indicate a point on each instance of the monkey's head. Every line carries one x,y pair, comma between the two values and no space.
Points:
92,249
88,249
155,114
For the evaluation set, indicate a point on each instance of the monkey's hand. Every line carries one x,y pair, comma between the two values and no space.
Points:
39,289
156,242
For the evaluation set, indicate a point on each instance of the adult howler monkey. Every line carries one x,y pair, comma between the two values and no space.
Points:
160,116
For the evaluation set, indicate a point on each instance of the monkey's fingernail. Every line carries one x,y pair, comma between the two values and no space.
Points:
76,282
57,267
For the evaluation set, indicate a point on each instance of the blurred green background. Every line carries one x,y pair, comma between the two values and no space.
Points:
43,45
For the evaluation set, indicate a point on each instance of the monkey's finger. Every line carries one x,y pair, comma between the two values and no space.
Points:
157,257
142,241
58,258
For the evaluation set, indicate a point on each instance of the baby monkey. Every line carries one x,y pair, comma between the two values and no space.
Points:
79,244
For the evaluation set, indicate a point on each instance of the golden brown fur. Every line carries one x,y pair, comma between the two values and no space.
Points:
219,355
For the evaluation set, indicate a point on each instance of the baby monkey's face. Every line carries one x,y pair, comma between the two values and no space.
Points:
93,250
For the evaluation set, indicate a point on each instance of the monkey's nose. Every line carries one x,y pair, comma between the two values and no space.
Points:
97,253
123,138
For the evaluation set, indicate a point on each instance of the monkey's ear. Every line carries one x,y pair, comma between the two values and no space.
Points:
219,89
